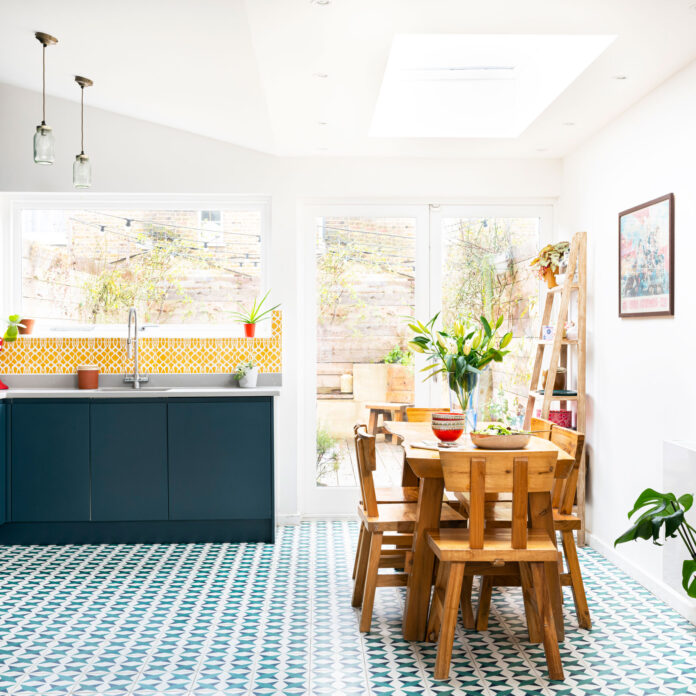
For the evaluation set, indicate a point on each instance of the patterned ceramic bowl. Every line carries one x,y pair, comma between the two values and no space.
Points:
448,427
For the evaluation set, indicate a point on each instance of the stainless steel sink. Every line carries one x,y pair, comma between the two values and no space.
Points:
130,389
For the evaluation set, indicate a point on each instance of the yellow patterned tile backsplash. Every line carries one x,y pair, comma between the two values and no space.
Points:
34,356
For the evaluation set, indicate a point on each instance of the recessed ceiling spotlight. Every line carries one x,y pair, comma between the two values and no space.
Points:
620,77
320,75
568,123
322,149
320,3
322,123
542,149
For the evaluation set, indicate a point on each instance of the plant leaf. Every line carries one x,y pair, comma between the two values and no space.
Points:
686,501
486,326
688,581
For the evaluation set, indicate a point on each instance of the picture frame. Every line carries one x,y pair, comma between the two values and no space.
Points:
646,259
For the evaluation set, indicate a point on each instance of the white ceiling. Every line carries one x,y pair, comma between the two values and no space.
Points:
245,72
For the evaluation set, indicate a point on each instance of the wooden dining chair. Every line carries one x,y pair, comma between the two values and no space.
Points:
526,544
381,526
564,521
422,415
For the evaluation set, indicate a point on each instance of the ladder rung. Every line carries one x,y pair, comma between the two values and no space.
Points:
559,288
555,397
564,342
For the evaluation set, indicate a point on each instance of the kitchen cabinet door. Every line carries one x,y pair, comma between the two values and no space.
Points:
50,461
128,444
221,459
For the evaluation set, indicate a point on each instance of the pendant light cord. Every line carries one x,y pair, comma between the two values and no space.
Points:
43,91
82,119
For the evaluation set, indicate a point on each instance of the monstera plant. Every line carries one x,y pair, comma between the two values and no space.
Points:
657,510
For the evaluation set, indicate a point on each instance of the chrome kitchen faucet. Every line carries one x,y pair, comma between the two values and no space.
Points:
132,350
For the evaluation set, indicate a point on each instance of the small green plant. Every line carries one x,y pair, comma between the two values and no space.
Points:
551,256
13,326
398,356
255,313
242,370
327,456
665,509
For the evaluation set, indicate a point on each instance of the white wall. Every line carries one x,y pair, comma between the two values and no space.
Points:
641,373
131,156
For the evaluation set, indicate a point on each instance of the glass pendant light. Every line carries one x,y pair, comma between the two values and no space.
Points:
44,144
82,169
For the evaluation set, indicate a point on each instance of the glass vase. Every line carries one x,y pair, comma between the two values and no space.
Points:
464,396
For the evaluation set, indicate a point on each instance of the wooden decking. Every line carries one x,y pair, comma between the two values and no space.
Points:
389,465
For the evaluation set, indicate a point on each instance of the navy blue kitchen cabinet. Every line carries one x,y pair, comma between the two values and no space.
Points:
221,459
50,461
128,454
3,463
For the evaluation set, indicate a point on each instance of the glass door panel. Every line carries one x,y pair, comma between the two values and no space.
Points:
365,286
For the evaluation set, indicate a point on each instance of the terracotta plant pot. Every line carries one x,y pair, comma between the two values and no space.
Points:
550,278
28,326
250,330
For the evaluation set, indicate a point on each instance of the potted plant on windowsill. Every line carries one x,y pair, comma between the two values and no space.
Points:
253,315
247,375
658,509
13,328
549,261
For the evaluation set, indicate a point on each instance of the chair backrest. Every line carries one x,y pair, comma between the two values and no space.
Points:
365,453
498,472
541,428
422,415
572,442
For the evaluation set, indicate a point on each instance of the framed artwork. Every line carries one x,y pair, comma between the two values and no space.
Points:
646,259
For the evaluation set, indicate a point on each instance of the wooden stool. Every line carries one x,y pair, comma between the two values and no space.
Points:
388,411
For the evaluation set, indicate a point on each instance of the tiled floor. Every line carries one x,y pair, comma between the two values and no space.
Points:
261,619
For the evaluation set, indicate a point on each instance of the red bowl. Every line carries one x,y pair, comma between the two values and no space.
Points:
448,427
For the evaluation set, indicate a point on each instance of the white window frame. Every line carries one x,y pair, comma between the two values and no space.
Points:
340,501
12,222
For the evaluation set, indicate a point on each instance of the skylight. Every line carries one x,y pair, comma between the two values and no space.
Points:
476,86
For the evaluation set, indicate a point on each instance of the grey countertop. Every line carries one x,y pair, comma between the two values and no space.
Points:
130,393
113,387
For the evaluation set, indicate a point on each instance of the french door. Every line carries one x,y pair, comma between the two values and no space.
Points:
367,268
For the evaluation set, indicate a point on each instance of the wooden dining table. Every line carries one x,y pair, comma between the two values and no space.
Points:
425,465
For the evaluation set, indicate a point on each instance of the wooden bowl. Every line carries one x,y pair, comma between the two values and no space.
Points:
500,442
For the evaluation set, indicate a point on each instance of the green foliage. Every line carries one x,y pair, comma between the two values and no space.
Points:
658,511
327,456
242,370
255,313
398,356
461,351
13,326
146,280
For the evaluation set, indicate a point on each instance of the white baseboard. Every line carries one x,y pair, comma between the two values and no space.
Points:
346,516
680,603
288,519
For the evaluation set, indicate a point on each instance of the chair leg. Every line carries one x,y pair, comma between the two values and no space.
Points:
361,570
571,554
465,603
533,629
546,620
371,582
361,535
450,611
435,615
484,603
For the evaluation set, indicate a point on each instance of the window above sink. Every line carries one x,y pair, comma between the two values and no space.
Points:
184,262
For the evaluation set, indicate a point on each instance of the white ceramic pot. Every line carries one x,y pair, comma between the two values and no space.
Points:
249,379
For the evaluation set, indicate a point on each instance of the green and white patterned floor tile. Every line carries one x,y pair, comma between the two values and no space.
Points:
228,619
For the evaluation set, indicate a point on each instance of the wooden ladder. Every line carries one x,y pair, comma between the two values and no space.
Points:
564,352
